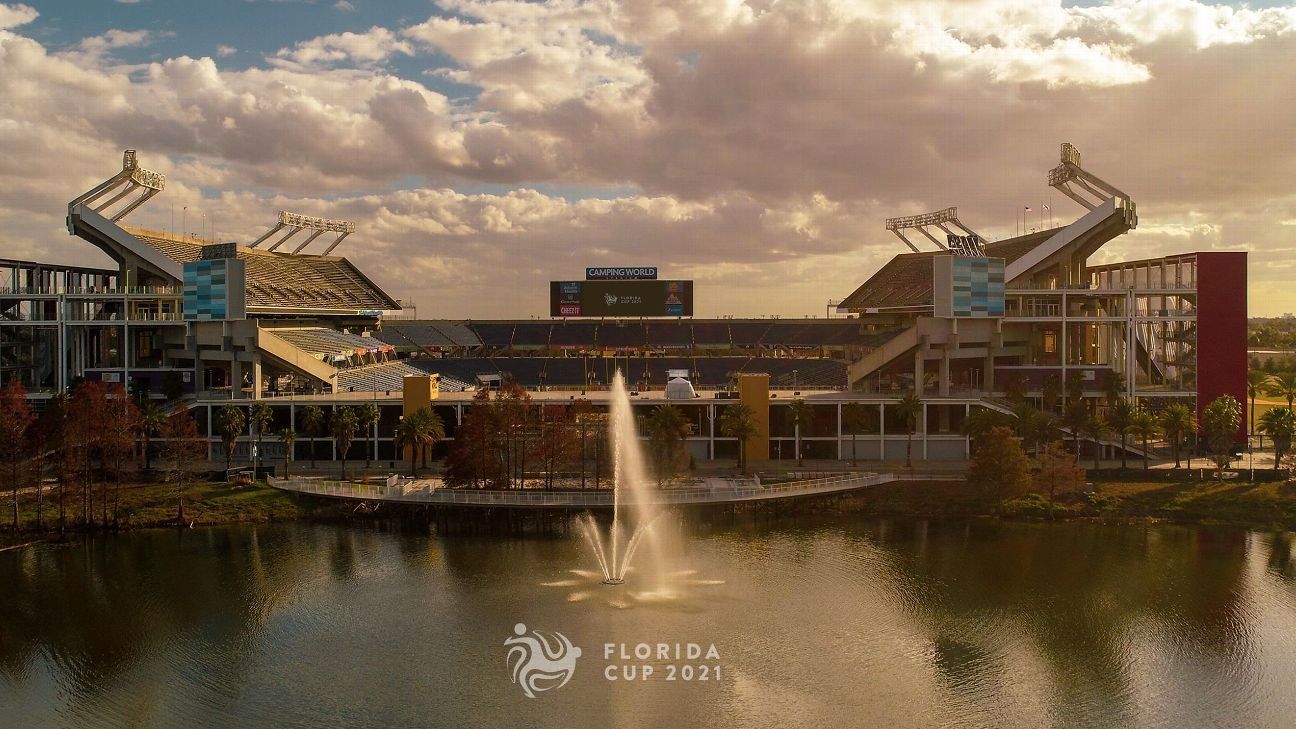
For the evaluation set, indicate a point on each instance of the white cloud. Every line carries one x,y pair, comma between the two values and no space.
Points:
223,51
12,16
753,146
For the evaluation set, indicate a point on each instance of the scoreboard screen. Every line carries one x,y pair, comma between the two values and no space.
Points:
621,298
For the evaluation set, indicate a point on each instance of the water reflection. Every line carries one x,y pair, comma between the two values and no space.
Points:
906,623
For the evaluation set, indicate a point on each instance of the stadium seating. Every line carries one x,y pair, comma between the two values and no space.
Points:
285,280
390,377
331,345
673,335
622,335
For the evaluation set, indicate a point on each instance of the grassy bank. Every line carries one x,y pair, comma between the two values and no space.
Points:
1261,505
205,504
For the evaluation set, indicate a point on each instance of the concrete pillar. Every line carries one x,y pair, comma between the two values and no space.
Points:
943,386
236,377
918,372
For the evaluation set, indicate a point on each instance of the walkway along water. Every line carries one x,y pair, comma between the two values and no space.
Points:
398,490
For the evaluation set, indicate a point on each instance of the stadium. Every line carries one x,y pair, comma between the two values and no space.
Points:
961,322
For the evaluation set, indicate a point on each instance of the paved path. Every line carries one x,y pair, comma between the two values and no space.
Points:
706,491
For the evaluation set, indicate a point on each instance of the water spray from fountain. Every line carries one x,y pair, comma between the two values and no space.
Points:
633,512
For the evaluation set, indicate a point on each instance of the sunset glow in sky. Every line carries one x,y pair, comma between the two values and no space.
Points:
484,148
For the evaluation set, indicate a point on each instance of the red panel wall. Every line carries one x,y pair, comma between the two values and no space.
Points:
1221,327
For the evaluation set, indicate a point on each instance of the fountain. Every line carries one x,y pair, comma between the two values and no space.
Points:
633,512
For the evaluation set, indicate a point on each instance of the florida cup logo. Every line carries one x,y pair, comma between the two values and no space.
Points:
540,661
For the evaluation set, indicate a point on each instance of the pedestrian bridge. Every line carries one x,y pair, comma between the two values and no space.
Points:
703,491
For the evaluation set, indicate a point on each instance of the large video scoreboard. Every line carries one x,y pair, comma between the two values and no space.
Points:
621,298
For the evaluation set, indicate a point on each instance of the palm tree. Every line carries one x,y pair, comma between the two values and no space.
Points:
1177,421
855,417
1094,428
908,410
1144,426
312,421
152,419
738,421
368,416
229,424
798,413
1113,386
1280,425
287,436
261,417
1259,382
667,428
1119,416
1284,385
345,425
420,429
1074,418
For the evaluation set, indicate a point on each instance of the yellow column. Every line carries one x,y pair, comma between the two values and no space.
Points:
419,392
753,391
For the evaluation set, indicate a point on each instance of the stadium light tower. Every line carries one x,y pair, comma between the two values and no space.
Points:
964,243
296,223
131,180
1069,173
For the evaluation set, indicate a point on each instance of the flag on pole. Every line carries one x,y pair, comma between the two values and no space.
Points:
1028,208
1045,206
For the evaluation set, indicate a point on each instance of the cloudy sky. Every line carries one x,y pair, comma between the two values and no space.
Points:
485,147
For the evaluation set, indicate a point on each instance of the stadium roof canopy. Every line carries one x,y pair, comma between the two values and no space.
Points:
906,280
285,281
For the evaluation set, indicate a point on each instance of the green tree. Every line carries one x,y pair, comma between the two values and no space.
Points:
1280,425
1143,425
1282,385
1119,416
798,414
1000,468
152,420
345,425
1259,383
1051,393
1113,386
1220,422
738,421
261,416
1074,386
1035,427
667,430
287,436
15,419
230,423
908,411
368,415
856,416
1074,419
1177,421
1094,428
419,430
312,423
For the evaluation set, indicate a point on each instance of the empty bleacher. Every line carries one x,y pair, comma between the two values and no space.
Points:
622,335
331,345
285,280
390,377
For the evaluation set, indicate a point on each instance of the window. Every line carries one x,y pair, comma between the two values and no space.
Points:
1050,342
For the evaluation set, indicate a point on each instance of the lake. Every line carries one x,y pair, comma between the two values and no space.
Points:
842,621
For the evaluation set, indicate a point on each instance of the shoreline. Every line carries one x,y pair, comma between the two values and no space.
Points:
1262,505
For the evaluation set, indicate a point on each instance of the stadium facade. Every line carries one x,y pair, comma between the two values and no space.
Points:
963,325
